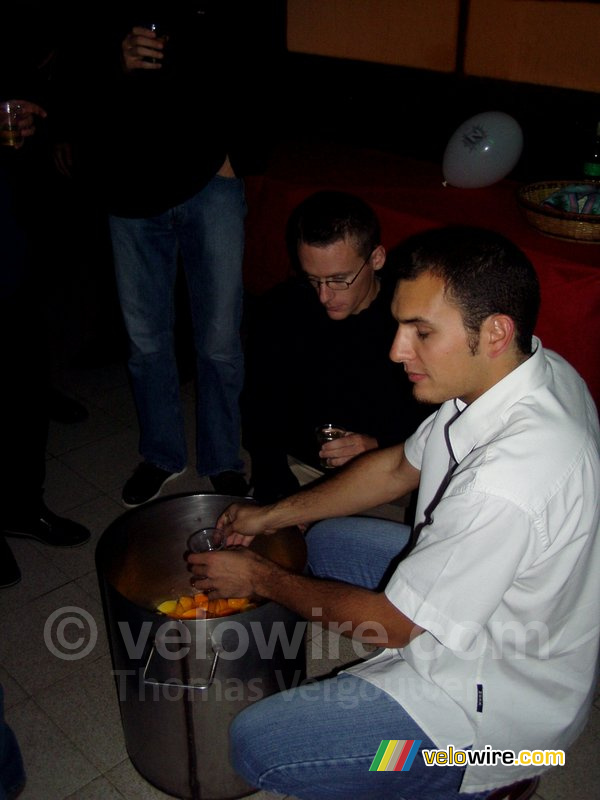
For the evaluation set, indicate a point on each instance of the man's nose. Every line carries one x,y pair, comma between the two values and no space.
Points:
401,349
324,293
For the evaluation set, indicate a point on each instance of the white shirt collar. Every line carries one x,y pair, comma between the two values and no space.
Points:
480,419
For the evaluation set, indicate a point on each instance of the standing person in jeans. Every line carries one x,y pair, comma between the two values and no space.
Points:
176,144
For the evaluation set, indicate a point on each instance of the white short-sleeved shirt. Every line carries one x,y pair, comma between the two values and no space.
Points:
506,578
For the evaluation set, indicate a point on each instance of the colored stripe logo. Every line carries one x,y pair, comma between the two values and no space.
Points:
395,755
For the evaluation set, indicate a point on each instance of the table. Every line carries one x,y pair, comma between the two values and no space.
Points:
409,196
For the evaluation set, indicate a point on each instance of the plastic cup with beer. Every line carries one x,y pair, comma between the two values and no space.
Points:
327,433
10,131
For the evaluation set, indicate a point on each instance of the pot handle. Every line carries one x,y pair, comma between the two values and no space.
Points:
155,682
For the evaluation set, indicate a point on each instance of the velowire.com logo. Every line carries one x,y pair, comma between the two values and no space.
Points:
395,755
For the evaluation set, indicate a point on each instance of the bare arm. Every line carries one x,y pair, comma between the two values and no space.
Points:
369,480
355,612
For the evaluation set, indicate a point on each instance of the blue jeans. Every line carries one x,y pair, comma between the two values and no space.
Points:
207,231
317,741
12,774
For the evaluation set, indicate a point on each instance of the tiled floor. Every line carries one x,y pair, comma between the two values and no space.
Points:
63,711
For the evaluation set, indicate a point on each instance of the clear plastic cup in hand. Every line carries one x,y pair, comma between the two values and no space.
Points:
206,539
156,28
11,114
327,433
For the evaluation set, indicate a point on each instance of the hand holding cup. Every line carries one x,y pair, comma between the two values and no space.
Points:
207,539
143,47
17,121
328,433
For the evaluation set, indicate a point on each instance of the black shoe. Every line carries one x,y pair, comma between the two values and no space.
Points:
9,569
66,410
146,483
230,482
48,528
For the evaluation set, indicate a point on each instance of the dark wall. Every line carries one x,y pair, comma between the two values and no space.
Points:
414,112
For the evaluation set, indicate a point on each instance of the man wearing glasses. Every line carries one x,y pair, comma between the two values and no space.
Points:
318,346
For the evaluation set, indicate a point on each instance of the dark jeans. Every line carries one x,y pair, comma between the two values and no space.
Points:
12,773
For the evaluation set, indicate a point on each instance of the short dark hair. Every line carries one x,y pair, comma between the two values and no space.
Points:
329,216
484,274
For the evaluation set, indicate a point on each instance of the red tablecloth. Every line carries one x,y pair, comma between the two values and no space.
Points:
409,196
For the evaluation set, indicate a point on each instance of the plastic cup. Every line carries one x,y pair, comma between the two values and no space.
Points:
327,433
205,539
10,131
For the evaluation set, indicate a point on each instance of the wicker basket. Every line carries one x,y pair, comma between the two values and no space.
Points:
553,221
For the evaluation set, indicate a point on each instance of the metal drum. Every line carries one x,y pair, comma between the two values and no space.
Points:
181,682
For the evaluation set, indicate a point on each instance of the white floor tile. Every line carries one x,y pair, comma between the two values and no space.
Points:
64,437
65,487
132,785
91,384
117,401
89,584
327,651
55,767
98,789
52,637
39,576
96,515
90,716
106,463
13,692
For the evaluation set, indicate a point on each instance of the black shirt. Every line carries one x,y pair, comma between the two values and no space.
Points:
304,369
149,140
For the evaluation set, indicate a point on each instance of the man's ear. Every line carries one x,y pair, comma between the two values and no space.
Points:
498,334
378,257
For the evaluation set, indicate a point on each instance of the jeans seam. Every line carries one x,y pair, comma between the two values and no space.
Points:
311,763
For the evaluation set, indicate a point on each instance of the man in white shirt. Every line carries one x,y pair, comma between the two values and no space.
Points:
489,618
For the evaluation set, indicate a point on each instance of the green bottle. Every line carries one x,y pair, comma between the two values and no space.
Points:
591,163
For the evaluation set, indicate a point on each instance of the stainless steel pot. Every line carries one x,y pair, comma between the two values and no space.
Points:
181,682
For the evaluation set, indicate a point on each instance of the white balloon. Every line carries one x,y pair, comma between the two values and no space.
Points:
483,150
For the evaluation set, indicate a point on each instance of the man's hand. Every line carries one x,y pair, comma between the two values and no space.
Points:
361,613
235,572
379,476
243,521
339,451
26,121
142,49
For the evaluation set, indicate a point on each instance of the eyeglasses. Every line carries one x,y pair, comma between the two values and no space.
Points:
336,284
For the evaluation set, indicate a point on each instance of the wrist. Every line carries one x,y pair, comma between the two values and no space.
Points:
267,579
283,513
